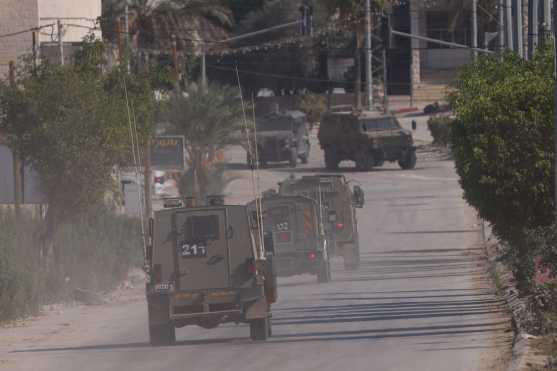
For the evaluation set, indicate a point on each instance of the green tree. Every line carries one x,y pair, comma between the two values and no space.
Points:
209,122
70,123
503,146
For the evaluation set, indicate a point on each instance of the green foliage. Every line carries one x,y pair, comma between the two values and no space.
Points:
502,142
209,121
440,129
20,274
71,124
314,106
96,251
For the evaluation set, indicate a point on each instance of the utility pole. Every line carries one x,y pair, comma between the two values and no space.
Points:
501,25
147,179
509,24
555,100
60,41
127,35
533,27
18,176
204,68
35,52
369,58
519,31
475,27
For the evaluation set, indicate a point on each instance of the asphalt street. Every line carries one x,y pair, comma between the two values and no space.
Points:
420,301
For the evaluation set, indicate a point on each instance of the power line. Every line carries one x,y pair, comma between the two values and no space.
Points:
25,31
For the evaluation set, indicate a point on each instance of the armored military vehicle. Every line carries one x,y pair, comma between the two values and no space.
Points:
207,266
339,202
367,138
295,225
281,136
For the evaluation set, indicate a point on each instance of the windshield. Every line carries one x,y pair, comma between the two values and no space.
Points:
275,124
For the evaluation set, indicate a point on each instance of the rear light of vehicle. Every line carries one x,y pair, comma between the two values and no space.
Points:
159,180
251,267
283,237
312,256
339,226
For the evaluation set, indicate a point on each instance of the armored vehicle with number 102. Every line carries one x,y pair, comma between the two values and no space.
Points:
301,246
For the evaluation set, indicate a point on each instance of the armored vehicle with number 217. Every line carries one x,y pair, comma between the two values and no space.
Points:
207,266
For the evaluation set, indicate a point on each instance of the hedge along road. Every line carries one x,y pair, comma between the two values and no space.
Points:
421,300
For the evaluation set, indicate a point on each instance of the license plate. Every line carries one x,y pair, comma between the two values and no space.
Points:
193,250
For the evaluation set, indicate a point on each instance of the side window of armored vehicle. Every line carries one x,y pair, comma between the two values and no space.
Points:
202,228
279,216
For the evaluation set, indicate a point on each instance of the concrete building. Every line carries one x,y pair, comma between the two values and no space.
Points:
19,17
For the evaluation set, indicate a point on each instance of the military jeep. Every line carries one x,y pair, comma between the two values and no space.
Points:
282,136
339,202
296,227
367,138
206,267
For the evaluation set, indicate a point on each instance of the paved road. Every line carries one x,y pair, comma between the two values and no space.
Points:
420,301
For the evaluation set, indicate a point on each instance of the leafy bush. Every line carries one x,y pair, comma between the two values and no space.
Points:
439,127
94,251
314,106
502,143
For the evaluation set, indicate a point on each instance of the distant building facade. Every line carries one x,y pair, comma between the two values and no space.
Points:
78,17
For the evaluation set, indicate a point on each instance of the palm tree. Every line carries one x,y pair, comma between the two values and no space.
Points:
153,22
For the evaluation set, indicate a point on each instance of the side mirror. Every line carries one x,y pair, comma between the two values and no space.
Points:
332,216
358,197
269,243
414,125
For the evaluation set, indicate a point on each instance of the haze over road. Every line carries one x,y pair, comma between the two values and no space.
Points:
421,300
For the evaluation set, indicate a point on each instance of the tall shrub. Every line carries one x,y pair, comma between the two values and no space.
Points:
503,146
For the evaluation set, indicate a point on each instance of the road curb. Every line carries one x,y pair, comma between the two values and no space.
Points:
517,306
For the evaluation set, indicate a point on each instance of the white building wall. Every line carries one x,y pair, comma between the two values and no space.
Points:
16,15
83,13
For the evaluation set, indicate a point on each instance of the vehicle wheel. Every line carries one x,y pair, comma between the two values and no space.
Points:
162,334
364,161
249,161
331,159
304,158
408,161
324,274
259,329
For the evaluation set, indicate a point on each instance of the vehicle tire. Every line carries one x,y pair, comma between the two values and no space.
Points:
331,159
162,334
249,161
304,158
269,327
259,329
293,158
364,161
324,274
408,162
